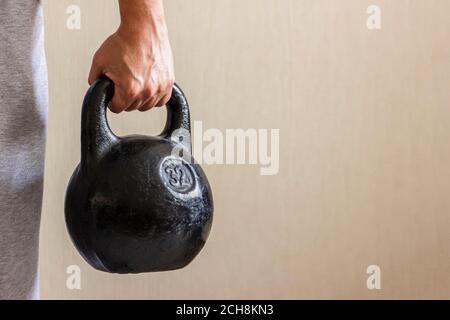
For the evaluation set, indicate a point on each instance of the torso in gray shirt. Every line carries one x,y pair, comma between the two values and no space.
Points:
23,123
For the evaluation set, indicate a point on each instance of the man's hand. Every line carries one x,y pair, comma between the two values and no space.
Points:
137,58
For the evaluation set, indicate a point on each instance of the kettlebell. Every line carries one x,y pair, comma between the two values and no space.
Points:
133,204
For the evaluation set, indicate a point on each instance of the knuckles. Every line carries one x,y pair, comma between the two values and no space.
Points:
148,92
131,90
170,84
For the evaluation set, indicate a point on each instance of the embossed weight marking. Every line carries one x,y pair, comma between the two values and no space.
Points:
177,175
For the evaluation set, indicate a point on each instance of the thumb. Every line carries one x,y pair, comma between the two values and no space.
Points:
95,73
118,102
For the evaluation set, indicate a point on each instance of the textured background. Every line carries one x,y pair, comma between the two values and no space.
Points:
364,119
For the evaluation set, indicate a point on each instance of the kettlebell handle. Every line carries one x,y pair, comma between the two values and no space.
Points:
96,135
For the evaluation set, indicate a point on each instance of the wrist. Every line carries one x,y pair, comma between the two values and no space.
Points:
142,15
144,27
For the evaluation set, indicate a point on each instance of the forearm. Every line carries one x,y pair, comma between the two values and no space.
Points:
143,16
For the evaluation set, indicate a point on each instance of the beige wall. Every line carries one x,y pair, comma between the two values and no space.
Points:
364,135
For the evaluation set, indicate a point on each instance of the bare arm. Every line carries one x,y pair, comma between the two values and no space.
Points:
137,57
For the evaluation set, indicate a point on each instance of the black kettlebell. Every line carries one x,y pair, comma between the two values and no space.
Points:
133,206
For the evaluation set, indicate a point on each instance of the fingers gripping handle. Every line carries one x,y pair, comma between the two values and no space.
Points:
96,135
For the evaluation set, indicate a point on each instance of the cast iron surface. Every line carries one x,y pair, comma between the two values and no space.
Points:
131,205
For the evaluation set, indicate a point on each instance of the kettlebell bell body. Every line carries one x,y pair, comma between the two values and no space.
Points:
133,204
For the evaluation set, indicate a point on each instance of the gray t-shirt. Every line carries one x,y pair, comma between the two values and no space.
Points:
23,123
